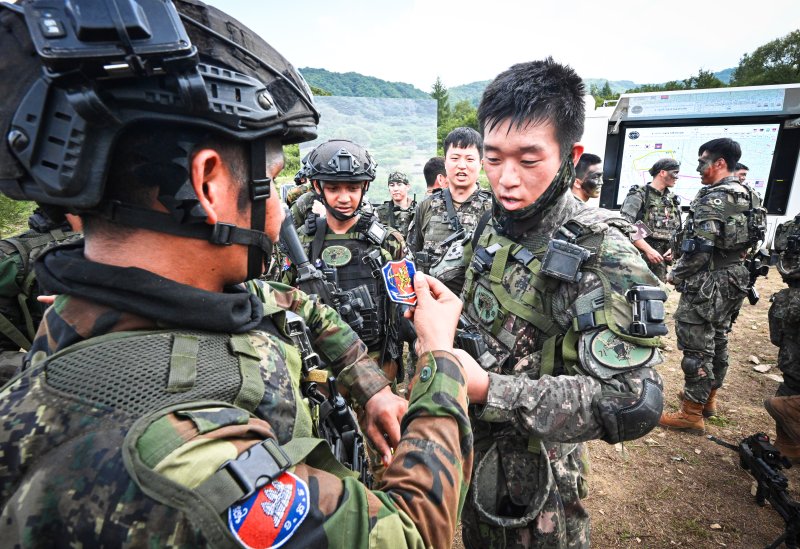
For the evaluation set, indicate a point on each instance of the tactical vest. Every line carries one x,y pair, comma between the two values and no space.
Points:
346,252
510,298
396,217
440,226
738,211
27,247
661,213
133,380
786,245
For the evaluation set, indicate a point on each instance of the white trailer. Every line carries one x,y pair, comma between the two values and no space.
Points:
643,127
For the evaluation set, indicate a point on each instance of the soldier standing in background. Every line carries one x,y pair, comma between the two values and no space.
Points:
445,220
435,174
741,172
398,211
562,368
656,214
725,221
784,328
588,177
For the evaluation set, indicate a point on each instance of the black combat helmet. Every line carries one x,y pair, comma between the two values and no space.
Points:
341,160
75,75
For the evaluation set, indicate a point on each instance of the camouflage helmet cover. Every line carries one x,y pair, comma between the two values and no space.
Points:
398,177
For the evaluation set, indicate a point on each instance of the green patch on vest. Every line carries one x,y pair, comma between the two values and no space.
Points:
485,304
613,352
336,256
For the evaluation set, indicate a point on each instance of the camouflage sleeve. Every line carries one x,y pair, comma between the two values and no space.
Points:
423,490
708,214
587,405
630,207
336,343
301,208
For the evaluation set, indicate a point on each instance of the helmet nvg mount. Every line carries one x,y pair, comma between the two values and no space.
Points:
78,74
340,160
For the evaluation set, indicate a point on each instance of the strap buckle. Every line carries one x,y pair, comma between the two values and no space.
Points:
260,188
221,234
258,465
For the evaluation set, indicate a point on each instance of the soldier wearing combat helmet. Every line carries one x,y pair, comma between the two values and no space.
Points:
160,403
570,315
656,213
398,212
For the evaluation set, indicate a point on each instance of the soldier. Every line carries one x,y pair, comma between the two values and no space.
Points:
161,402
445,220
784,325
20,312
741,172
352,246
398,212
552,288
435,174
656,213
725,220
588,177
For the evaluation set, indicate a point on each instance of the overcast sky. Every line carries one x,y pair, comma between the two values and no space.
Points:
464,41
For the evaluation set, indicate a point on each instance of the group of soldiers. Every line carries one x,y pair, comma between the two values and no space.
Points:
182,391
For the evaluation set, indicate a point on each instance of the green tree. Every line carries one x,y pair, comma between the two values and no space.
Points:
439,92
776,62
704,80
606,92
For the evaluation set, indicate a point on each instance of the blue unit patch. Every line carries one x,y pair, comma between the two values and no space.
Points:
399,279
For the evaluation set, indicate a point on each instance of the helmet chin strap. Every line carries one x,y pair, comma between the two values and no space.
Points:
259,252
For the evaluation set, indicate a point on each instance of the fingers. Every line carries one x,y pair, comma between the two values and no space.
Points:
380,443
429,286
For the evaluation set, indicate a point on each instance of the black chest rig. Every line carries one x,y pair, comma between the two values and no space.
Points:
510,289
349,261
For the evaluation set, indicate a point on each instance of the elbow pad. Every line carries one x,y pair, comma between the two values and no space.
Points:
626,416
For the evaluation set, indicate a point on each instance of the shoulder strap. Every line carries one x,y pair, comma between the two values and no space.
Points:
452,218
319,239
480,227
390,217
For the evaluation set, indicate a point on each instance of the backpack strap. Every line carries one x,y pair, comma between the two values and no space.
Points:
452,218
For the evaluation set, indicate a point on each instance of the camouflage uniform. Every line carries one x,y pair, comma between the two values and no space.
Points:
392,215
661,214
564,355
20,312
431,226
713,282
300,200
107,446
784,313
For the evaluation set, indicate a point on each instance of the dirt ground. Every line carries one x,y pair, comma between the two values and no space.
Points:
673,489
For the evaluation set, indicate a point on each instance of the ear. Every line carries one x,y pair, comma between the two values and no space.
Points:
577,183
577,151
315,184
211,183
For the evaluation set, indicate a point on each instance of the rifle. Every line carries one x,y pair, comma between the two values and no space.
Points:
757,265
764,463
337,425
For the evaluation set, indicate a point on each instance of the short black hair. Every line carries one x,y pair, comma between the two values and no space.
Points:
534,93
463,138
586,160
151,162
724,148
740,166
432,168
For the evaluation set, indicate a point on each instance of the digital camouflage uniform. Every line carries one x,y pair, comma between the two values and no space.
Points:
431,226
140,389
661,214
784,313
300,200
392,215
20,312
566,369
713,280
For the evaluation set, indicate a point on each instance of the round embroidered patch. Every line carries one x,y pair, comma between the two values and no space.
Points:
270,516
614,352
486,304
336,256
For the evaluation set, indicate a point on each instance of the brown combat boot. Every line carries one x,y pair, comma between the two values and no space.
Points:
786,413
689,417
710,407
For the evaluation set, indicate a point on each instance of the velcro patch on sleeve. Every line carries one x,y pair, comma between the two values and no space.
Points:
270,516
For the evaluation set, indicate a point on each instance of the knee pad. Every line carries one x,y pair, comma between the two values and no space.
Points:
692,365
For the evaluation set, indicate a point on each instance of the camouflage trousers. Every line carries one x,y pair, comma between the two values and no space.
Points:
784,331
658,269
708,303
519,499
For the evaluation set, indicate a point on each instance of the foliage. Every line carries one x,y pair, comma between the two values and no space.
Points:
703,80
776,62
462,115
352,84
14,215
439,92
